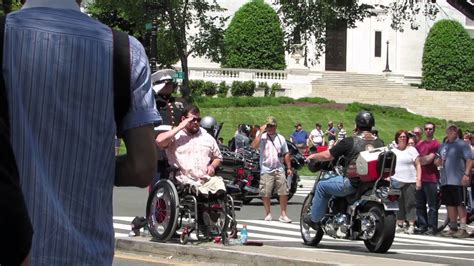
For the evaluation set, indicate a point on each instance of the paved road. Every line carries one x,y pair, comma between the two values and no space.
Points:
130,202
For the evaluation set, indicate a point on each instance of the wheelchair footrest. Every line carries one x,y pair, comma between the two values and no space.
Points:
238,205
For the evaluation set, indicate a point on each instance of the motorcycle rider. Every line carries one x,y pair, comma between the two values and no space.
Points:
334,184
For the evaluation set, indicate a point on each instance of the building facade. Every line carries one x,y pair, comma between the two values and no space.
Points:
363,49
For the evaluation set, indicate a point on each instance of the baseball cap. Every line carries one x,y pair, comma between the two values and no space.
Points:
161,77
271,121
453,126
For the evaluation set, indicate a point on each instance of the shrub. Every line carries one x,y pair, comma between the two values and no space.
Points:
196,87
246,88
317,100
264,86
275,87
254,38
223,89
448,58
210,88
245,101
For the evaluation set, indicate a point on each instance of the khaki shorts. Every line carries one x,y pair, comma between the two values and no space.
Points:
269,181
214,184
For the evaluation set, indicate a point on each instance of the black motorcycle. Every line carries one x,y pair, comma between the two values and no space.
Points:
367,215
242,170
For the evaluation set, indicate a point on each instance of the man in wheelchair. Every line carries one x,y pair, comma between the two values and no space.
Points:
195,154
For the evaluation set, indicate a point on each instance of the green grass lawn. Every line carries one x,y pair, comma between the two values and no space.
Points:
287,116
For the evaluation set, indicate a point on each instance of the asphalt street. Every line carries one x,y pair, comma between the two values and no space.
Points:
130,202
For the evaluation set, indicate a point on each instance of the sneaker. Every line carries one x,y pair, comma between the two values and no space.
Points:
400,229
268,218
420,230
284,219
410,230
430,232
462,233
307,220
447,233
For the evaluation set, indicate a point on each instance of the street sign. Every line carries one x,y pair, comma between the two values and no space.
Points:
179,75
148,26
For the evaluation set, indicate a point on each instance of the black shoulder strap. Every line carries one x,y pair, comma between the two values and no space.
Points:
122,78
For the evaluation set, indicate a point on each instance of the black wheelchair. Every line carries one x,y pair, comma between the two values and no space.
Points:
174,209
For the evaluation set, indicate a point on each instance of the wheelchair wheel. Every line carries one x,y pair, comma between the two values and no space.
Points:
162,210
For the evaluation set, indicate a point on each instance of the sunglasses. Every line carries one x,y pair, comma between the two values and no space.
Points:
196,119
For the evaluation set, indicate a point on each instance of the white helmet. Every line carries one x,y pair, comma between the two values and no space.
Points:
208,123
161,77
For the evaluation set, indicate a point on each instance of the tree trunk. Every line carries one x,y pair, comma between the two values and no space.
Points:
185,86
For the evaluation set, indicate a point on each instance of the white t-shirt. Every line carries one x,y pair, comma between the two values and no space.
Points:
316,136
405,170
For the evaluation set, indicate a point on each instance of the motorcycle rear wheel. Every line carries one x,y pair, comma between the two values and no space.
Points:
310,237
384,230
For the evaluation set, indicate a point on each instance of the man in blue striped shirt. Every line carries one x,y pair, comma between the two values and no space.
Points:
59,79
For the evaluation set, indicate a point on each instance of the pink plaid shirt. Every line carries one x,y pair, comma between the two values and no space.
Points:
192,154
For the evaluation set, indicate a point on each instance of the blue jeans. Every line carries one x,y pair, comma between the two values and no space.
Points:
337,185
427,195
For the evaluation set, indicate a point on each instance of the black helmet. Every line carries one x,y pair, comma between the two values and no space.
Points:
365,119
209,123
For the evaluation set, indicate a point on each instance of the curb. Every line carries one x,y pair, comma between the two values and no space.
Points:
208,251
251,255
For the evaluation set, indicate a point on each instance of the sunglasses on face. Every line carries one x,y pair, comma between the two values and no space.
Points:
268,125
195,119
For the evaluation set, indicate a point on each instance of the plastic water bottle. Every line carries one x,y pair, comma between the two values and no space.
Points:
244,236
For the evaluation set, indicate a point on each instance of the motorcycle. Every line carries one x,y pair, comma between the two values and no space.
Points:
367,215
242,170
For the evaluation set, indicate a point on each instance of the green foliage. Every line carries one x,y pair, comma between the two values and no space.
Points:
210,88
317,100
196,87
275,87
448,58
264,86
245,88
223,89
175,18
245,101
254,38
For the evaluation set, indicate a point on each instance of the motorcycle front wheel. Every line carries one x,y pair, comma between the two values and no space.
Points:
384,223
310,236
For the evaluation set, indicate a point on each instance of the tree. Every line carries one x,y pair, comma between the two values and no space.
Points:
10,5
254,38
176,17
306,21
448,58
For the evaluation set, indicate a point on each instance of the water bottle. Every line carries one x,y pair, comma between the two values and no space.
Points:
244,236
145,231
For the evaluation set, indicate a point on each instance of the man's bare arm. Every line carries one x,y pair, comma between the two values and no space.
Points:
427,159
138,166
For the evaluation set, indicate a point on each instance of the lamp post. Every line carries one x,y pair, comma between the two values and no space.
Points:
387,68
153,6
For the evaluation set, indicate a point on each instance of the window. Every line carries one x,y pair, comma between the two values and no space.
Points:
378,44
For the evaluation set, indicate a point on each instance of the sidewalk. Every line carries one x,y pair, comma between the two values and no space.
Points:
253,255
